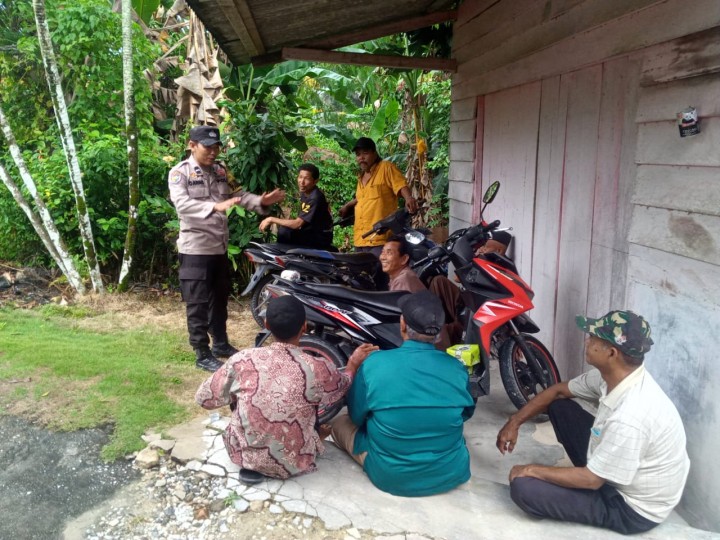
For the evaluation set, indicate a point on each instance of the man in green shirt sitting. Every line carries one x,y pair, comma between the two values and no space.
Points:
407,407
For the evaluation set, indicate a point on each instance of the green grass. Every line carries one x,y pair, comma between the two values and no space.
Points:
82,378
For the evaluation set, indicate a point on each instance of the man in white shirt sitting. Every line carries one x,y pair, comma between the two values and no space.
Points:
630,461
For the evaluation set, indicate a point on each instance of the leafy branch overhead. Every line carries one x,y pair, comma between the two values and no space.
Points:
272,118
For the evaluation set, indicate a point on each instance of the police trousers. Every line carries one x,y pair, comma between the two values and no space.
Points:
205,288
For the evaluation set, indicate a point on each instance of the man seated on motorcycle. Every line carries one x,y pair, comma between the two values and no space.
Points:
497,244
630,461
451,298
271,388
395,262
313,227
406,410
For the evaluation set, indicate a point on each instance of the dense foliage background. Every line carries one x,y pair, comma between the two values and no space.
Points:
273,119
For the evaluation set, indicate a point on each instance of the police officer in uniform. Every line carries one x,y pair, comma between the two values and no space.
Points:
200,192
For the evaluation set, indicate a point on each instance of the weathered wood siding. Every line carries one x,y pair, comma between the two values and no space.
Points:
674,266
462,161
617,210
557,148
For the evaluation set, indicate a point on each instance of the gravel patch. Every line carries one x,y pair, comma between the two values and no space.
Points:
174,502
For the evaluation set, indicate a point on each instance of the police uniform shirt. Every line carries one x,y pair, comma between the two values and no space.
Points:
194,192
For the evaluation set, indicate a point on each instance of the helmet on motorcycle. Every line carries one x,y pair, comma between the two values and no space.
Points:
423,312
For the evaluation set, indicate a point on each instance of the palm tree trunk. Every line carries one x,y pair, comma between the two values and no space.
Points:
63,120
44,224
132,147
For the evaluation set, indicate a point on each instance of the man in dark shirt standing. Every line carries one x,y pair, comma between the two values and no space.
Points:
313,226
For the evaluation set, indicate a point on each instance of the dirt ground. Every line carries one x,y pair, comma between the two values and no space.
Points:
162,309
158,309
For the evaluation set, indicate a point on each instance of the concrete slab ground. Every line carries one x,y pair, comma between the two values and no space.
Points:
340,494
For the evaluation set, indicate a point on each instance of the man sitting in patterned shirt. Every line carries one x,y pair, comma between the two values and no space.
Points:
274,392
630,462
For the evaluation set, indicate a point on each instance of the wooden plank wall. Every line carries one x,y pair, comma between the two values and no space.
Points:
510,156
506,43
674,264
636,206
462,162
558,147
502,45
575,220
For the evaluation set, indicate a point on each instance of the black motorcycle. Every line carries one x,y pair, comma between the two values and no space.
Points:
356,270
495,318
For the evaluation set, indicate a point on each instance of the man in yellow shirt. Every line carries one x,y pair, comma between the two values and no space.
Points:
379,185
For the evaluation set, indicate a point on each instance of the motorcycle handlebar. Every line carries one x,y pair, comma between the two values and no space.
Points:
480,230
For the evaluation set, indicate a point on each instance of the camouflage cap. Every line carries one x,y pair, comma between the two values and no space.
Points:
626,330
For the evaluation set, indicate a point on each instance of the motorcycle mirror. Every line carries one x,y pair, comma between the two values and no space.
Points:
491,192
414,237
489,195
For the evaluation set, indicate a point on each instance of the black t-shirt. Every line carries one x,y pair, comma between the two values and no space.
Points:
316,232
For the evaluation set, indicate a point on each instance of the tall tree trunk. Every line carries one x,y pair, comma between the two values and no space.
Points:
44,225
63,120
132,147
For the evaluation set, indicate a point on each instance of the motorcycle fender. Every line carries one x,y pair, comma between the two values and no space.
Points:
525,324
260,271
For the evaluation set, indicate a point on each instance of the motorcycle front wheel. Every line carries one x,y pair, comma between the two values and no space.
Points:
259,299
518,378
319,348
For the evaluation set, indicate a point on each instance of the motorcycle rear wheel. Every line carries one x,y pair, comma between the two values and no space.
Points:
259,299
315,346
519,381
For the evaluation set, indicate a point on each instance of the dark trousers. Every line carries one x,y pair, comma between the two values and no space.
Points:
205,288
449,294
604,507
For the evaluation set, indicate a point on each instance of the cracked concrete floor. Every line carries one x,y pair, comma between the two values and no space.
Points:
339,497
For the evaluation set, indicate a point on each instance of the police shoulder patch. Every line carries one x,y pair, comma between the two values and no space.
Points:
175,176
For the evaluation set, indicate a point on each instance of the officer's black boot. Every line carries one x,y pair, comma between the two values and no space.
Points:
223,349
204,359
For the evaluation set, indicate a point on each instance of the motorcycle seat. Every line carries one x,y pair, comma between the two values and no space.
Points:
271,247
311,252
387,300
355,259
359,259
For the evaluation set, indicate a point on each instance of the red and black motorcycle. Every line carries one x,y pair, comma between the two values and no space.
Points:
495,317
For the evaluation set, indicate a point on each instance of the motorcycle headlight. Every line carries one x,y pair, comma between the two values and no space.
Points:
290,275
414,237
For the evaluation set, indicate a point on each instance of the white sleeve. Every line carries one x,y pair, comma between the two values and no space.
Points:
587,386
